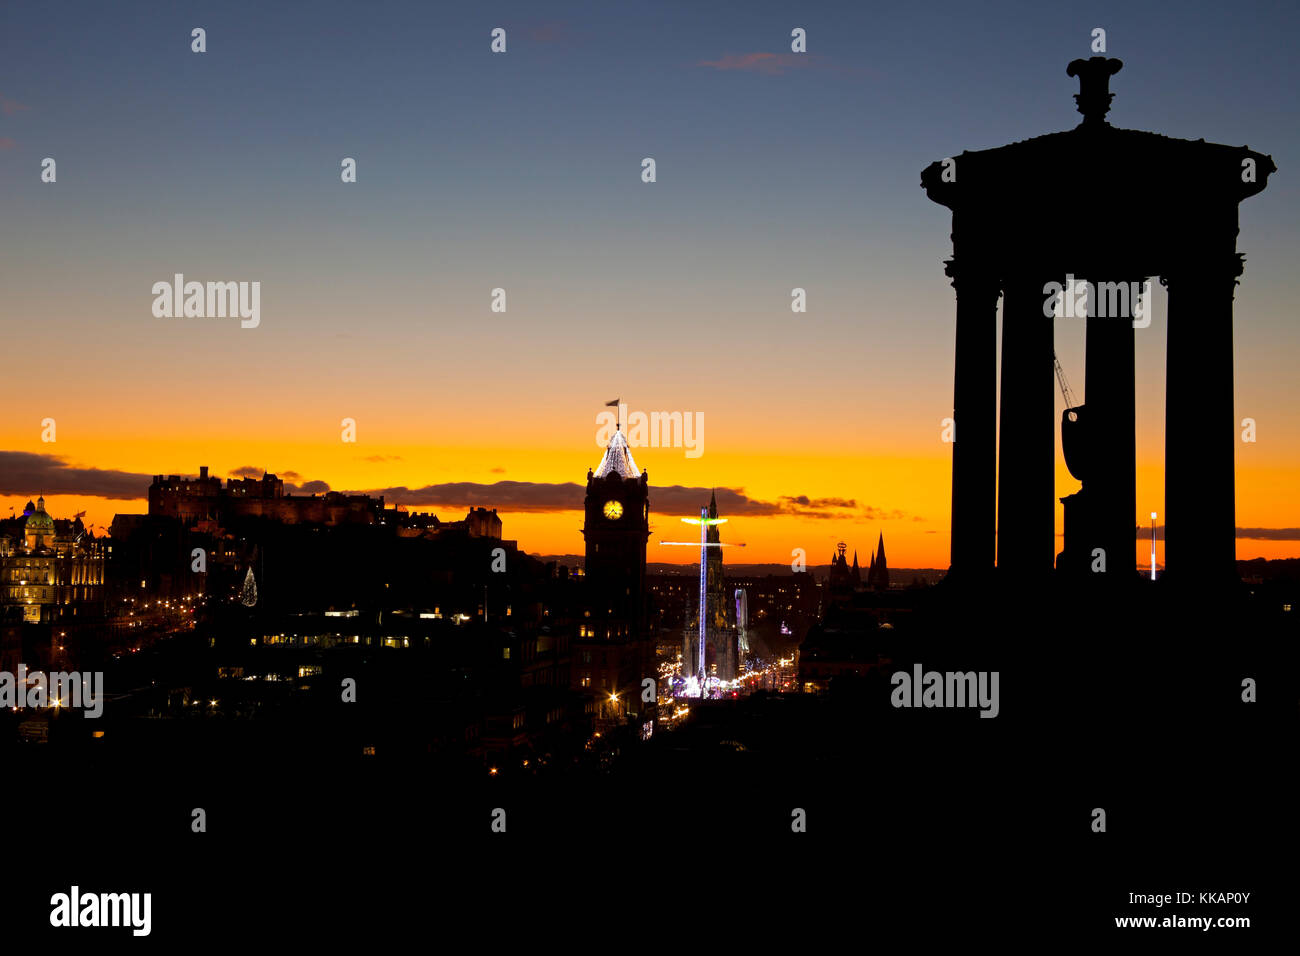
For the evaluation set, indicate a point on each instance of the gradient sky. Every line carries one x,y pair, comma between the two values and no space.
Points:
522,171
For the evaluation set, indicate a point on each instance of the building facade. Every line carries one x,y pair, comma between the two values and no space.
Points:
192,500
49,571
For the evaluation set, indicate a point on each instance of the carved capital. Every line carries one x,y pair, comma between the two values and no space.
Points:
969,278
1207,270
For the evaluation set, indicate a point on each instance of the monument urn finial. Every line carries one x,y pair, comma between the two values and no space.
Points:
1094,94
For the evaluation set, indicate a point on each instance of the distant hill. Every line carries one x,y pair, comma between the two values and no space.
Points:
1270,569
1264,569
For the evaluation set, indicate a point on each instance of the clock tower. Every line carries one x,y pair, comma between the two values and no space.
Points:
616,528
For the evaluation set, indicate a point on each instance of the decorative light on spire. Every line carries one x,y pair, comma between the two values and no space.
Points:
618,456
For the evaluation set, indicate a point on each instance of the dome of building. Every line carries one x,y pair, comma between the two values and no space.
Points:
38,520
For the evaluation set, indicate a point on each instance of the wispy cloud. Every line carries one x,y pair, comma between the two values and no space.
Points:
773,64
503,495
307,488
9,107
533,496
546,33
803,501
26,474
1252,534
1270,534
872,513
808,507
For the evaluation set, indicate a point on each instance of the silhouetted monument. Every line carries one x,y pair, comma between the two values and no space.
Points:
1112,206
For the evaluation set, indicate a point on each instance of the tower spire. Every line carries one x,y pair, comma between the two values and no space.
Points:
880,568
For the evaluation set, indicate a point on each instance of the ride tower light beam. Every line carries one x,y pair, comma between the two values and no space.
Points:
703,521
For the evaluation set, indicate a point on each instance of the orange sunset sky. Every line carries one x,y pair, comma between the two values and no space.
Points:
811,469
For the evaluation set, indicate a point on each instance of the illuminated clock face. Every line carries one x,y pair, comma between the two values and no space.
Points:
613,510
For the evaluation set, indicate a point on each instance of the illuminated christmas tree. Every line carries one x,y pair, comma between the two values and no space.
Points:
248,596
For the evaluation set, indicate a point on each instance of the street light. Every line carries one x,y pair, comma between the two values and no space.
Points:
1153,546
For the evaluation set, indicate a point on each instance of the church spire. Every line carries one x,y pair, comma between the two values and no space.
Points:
880,569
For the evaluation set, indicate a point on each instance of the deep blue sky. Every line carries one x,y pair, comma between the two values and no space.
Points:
522,171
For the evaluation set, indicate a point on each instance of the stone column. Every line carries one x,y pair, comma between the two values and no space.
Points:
1109,383
974,410
1027,434
1200,424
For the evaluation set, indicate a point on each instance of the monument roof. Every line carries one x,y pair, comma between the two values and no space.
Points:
1114,160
